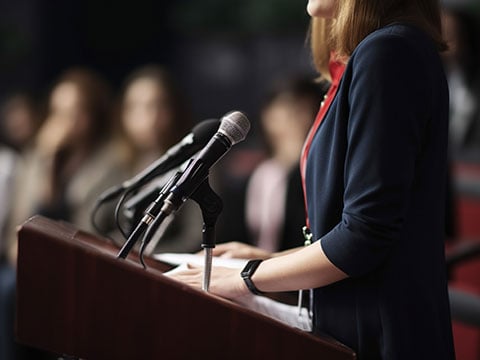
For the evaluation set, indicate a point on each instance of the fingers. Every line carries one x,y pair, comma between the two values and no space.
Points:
191,276
224,282
194,266
190,281
219,250
232,249
227,255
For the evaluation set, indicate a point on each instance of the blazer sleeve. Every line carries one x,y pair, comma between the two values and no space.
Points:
388,102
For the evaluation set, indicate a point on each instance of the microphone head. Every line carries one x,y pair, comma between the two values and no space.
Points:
234,126
204,131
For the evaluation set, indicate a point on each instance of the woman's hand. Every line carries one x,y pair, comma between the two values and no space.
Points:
224,282
240,250
52,135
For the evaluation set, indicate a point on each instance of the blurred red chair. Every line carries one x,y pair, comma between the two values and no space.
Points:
463,262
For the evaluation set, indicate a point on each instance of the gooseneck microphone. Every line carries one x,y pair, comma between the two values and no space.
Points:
233,128
174,157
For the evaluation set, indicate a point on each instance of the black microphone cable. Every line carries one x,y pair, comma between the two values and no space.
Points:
174,157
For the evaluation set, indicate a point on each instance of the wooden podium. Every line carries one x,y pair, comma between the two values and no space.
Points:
75,297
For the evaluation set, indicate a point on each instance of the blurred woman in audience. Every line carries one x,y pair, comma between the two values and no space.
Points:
155,117
18,124
274,192
461,61
463,73
76,154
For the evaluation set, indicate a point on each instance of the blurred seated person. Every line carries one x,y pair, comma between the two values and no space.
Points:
154,118
60,171
18,123
463,74
76,156
274,205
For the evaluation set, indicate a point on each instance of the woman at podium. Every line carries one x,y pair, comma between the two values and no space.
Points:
373,170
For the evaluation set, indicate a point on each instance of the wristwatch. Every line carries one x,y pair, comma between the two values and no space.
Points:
248,272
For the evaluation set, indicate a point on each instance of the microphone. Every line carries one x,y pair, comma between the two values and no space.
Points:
174,157
233,128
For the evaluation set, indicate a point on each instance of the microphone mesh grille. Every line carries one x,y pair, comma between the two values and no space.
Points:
235,126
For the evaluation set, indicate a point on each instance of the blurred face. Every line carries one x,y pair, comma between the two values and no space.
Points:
321,8
146,114
20,124
450,33
67,119
286,123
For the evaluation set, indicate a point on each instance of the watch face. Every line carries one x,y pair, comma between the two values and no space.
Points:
245,271
250,268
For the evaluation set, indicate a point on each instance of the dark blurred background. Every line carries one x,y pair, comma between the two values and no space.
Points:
224,53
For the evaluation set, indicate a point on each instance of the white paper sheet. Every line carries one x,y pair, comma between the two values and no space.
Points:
194,259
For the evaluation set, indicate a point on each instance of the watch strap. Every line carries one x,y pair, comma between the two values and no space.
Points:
247,274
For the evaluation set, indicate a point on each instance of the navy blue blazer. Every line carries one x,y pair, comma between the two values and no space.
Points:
375,186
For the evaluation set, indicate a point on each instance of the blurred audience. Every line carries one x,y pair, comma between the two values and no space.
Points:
74,157
19,121
155,117
463,73
8,160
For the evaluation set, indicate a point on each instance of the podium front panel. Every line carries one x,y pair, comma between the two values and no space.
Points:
75,297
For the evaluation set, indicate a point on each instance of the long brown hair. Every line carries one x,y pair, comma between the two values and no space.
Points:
97,102
181,121
355,19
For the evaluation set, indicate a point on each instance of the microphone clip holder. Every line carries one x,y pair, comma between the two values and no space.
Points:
151,216
211,206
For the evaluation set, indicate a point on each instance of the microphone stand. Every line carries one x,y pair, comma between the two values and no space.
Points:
211,205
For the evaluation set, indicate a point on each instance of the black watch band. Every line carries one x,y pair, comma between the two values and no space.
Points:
248,272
